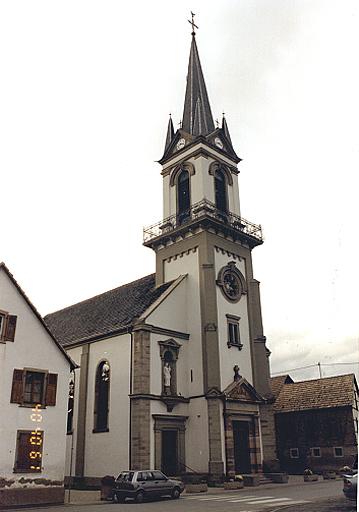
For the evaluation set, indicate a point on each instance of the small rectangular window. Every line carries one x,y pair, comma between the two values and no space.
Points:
338,451
294,453
2,324
158,475
7,326
34,387
29,451
315,452
234,338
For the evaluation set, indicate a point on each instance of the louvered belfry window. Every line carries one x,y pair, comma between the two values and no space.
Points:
183,196
220,191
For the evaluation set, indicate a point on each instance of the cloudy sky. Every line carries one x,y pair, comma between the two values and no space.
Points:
85,93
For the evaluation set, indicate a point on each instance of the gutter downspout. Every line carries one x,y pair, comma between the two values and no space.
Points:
130,417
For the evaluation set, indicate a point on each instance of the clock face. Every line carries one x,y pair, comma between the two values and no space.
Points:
218,143
180,144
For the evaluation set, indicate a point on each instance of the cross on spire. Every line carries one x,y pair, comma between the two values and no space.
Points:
193,23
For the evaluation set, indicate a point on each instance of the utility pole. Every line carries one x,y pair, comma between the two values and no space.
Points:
320,371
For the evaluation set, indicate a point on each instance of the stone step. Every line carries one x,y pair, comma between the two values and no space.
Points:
264,480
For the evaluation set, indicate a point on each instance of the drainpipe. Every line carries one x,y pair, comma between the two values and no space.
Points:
131,389
72,439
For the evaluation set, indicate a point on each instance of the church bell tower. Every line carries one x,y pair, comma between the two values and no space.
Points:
204,236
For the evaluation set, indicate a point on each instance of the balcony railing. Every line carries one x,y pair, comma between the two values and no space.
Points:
197,211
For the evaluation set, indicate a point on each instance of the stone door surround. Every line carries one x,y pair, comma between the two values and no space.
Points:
164,422
254,441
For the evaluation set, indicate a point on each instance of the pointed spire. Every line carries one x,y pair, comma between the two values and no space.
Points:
170,133
197,115
225,129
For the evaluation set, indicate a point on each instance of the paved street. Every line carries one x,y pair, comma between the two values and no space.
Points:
322,496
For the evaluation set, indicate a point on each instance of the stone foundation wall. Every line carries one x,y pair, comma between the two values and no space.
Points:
33,496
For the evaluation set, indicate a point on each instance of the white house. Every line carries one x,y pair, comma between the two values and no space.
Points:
34,381
174,366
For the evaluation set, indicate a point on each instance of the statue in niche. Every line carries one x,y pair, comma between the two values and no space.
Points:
167,378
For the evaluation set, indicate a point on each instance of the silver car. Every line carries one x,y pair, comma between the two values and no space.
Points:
140,485
350,486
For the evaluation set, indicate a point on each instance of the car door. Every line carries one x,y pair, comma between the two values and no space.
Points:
146,482
160,483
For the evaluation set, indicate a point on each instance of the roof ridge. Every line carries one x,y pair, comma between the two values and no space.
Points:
99,295
36,313
324,378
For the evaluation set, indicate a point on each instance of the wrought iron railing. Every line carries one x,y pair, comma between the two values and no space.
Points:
201,209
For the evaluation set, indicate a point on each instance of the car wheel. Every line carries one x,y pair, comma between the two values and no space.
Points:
175,493
117,498
140,496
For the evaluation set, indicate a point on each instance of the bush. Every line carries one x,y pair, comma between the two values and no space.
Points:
108,481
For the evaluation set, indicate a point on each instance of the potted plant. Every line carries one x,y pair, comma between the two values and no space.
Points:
195,483
309,476
233,482
107,485
329,474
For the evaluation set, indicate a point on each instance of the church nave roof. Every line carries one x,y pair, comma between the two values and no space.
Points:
104,314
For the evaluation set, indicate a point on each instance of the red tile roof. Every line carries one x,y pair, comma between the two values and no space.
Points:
316,394
278,382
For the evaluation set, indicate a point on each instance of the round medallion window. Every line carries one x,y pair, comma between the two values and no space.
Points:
232,282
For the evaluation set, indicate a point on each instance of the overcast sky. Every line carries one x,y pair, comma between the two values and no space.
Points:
85,92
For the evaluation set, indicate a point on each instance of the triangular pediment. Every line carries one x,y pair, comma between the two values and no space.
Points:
242,390
213,392
170,343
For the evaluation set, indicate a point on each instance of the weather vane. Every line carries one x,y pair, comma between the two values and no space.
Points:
193,23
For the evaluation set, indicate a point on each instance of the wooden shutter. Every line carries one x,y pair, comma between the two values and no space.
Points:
17,387
51,387
10,328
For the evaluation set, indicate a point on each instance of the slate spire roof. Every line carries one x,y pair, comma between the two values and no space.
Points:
225,130
197,115
112,312
170,133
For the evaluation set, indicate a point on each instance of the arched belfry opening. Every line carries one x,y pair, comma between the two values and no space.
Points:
220,190
183,196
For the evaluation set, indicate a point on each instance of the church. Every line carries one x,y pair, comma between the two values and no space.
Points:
174,368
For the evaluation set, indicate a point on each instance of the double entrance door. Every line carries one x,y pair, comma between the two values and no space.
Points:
169,462
242,457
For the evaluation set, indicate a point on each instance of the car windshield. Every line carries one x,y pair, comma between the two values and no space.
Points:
125,476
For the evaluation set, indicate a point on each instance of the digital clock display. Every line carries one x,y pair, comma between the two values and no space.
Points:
35,440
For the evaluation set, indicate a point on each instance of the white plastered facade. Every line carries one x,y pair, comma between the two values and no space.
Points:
32,348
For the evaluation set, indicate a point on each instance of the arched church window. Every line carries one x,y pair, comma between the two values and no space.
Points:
220,190
70,406
102,395
183,196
